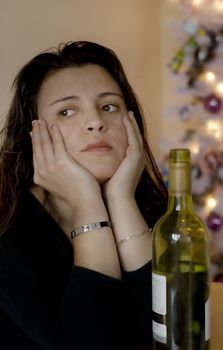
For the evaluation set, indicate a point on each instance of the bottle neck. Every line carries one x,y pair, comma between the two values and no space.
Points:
180,187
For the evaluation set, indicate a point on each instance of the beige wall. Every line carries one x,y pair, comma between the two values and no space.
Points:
131,27
171,42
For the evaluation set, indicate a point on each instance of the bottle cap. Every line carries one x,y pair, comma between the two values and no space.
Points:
179,155
179,171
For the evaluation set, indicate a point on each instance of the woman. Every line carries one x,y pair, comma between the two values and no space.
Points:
79,193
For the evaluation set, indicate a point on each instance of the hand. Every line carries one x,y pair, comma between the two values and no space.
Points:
124,182
122,207
55,169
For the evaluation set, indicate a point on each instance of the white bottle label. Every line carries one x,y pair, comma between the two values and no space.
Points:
159,306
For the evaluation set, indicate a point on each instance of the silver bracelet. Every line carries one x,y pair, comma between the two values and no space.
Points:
89,227
128,238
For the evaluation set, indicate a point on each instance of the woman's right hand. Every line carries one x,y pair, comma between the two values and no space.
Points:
56,171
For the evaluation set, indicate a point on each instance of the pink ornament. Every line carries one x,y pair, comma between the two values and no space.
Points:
214,221
212,104
212,160
218,278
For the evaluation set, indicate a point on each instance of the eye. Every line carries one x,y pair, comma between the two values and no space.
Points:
110,108
66,112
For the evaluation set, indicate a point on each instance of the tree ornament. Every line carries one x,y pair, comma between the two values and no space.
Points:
202,54
177,61
219,278
191,26
212,160
212,104
214,221
220,173
196,171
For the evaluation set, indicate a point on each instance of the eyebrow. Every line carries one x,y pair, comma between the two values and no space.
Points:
65,98
105,94
73,97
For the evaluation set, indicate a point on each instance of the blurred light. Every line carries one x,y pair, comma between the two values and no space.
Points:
217,135
219,87
194,147
213,127
218,5
210,77
211,202
197,2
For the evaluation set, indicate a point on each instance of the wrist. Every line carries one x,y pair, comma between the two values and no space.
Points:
121,203
85,198
90,211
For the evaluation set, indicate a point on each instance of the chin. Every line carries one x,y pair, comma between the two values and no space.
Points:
102,171
102,180
102,176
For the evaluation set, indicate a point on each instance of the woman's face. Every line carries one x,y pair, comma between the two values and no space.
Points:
88,106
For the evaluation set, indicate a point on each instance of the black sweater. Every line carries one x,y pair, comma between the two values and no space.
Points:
47,303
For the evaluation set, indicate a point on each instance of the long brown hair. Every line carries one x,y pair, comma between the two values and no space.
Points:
16,169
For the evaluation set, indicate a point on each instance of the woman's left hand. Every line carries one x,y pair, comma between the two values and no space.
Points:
124,182
124,213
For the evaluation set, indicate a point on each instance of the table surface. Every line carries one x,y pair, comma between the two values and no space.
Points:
216,316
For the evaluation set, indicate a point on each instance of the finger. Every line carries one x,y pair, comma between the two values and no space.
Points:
58,142
46,140
37,145
136,127
31,135
43,147
35,170
133,138
37,158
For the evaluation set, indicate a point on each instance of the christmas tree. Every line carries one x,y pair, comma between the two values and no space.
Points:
197,70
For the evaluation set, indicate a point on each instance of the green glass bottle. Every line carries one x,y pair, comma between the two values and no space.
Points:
180,267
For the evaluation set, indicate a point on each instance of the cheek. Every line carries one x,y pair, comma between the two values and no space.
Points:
121,138
123,144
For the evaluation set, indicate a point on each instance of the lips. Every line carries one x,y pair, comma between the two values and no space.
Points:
101,146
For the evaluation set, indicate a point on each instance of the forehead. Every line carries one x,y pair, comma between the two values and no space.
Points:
87,77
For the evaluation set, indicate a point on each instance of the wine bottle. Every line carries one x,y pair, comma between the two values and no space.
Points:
180,267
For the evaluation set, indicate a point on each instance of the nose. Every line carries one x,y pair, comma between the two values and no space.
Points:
95,123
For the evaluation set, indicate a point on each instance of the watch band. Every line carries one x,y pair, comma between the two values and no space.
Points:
89,227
